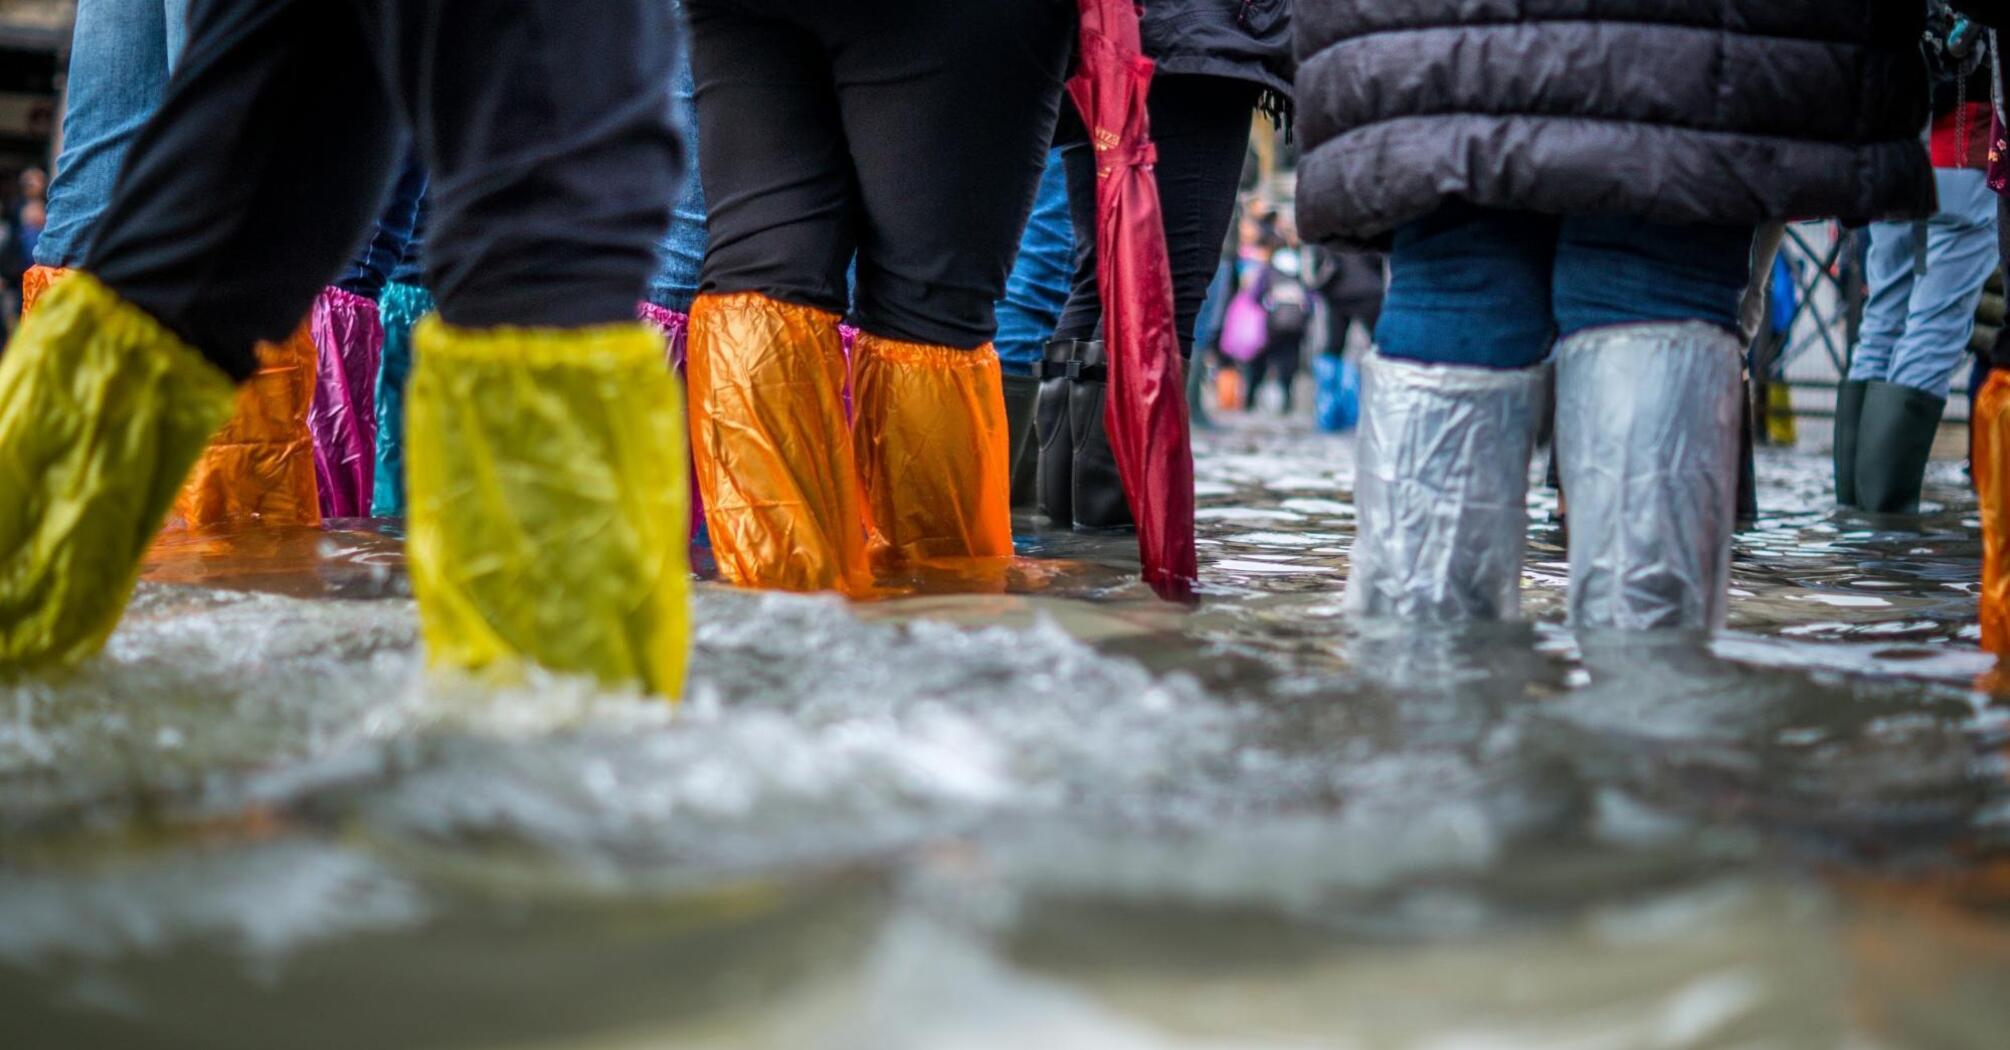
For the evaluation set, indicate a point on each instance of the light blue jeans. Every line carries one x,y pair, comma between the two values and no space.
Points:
120,54
1042,276
681,252
1916,326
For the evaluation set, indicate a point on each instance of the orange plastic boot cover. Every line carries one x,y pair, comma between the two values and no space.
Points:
1992,484
773,452
37,280
260,468
933,451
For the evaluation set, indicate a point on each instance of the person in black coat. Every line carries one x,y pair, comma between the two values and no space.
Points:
1218,62
1581,179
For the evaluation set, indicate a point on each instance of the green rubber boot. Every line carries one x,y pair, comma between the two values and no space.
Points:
1849,413
1894,441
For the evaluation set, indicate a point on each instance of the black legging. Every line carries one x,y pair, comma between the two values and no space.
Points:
908,133
546,125
1200,126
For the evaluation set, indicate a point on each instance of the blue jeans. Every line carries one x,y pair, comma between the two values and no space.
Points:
120,55
681,252
1041,278
1917,325
393,239
1497,289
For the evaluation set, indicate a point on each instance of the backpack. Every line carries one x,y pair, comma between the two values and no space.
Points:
1287,304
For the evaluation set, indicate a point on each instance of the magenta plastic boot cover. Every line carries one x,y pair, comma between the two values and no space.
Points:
349,340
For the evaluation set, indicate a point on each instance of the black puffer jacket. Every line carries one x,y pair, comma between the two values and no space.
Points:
1681,111
1239,39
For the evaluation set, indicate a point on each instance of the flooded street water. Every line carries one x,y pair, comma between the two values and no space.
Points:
1057,816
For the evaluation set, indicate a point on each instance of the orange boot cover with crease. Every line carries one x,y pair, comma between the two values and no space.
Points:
260,467
934,453
773,452
1992,485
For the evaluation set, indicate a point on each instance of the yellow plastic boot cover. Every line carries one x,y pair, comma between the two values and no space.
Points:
102,411
261,467
934,453
1992,485
548,521
774,453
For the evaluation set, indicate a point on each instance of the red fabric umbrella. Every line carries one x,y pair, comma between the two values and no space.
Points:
1145,412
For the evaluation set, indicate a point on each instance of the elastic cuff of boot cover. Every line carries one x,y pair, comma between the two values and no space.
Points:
1648,421
773,448
548,515
933,449
260,467
349,339
1992,485
102,410
1441,489
37,282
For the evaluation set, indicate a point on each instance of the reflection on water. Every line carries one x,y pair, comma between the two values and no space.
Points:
1053,813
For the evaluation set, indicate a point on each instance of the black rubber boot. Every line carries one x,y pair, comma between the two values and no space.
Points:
1894,441
1098,496
1849,413
1021,395
1053,437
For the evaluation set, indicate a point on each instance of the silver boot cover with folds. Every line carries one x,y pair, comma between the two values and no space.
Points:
1441,490
1647,420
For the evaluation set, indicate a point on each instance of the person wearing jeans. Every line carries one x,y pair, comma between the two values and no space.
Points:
121,52
542,418
1926,280
1603,221
261,467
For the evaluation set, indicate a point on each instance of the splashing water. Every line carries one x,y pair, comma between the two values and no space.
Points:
1060,816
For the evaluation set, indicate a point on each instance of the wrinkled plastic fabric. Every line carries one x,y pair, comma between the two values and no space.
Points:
676,330
260,467
102,410
399,311
37,282
548,503
1648,419
1441,490
350,341
773,448
934,453
1145,412
1992,486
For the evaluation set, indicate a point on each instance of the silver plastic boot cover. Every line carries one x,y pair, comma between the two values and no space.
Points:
1647,420
1441,490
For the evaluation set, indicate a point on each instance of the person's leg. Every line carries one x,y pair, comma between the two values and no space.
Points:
541,415
1649,388
1035,294
126,369
767,366
118,74
1449,410
349,340
1200,129
681,252
1889,266
1902,411
948,110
